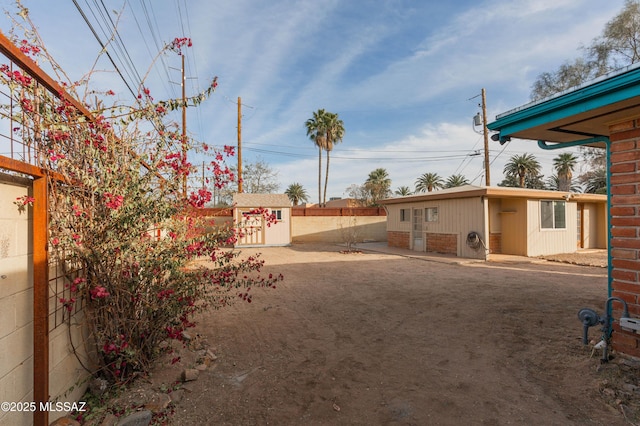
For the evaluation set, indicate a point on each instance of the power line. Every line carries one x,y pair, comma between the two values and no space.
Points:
104,48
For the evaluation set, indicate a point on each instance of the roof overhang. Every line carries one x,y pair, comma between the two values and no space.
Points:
579,114
491,192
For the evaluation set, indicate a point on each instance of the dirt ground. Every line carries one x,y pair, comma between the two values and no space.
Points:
373,338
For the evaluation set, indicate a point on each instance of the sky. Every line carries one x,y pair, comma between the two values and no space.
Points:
405,76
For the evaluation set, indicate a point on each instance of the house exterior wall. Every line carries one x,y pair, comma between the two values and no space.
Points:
513,219
625,228
595,226
551,241
16,303
456,219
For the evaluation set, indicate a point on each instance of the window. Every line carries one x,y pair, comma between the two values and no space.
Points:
278,214
405,215
431,214
552,215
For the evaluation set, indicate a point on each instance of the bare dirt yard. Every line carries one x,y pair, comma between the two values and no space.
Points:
380,339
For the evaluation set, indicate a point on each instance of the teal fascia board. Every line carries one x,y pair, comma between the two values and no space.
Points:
599,94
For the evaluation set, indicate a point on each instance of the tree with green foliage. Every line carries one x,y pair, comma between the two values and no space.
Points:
455,181
617,46
595,181
403,191
564,164
521,167
325,129
297,194
378,185
427,182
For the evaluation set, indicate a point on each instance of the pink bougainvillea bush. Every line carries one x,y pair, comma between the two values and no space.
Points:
119,220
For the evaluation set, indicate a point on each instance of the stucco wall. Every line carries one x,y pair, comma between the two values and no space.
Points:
16,301
332,229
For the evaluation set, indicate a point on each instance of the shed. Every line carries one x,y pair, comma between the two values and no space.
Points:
475,222
252,227
604,112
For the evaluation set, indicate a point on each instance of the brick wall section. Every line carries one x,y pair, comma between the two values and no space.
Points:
398,239
495,243
625,228
442,243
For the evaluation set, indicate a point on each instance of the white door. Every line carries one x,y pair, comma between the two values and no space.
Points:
416,230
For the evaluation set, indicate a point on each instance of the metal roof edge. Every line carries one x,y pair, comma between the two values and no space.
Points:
594,89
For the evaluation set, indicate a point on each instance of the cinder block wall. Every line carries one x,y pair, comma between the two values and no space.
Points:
625,228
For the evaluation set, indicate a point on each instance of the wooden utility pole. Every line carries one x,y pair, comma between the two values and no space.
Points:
239,145
184,130
485,132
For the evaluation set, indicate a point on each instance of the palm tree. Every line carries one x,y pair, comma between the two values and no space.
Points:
522,166
378,185
297,193
564,165
429,181
315,132
403,191
334,133
553,184
456,180
325,129
595,181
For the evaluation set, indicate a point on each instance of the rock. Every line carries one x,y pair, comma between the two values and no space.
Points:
98,386
186,336
64,421
176,395
190,374
201,367
139,418
158,403
109,420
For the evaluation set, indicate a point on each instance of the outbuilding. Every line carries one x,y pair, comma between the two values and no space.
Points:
253,229
604,113
475,222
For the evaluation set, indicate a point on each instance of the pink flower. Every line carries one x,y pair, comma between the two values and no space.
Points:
99,292
114,202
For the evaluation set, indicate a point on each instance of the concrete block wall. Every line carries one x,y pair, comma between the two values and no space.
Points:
625,228
16,300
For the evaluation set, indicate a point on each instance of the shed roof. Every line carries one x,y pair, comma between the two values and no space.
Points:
470,191
579,114
261,200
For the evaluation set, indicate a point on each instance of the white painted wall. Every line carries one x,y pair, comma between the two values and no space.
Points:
16,301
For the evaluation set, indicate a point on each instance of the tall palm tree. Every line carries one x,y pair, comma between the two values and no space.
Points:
428,182
378,185
325,129
564,165
334,128
522,166
456,180
316,132
403,191
297,193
